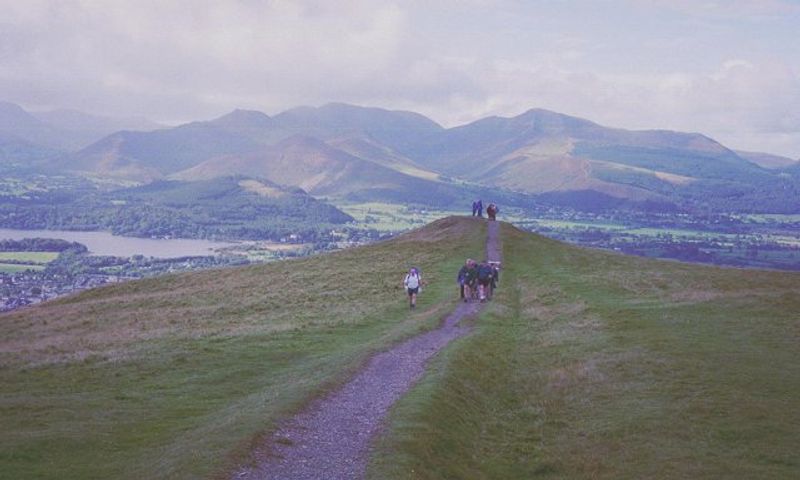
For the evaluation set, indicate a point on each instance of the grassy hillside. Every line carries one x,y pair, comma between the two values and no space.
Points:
586,365
175,377
594,365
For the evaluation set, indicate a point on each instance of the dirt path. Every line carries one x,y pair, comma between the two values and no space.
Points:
330,439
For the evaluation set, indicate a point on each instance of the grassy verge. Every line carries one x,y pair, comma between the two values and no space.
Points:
593,365
174,377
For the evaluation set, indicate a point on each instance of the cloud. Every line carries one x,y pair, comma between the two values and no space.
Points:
257,50
726,8
622,63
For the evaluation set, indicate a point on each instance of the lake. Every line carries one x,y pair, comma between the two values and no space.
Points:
104,243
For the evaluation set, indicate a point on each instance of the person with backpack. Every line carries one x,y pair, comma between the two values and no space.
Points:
495,278
413,283
485,273
462,278
491,211
470,280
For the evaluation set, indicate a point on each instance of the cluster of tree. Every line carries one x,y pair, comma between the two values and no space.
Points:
41,245
775,196
219,210
70,265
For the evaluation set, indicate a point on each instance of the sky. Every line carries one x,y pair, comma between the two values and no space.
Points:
727,69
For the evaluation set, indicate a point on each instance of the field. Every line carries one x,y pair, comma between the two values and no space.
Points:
392,217
177,376
268,251
389,217
596,365
587,364
15,262
19,267
36,258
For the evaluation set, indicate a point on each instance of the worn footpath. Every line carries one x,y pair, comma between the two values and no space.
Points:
331,438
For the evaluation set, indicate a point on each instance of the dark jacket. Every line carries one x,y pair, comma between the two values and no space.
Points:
462,275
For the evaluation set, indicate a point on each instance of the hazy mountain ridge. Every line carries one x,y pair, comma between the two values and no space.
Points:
63,130
15,122
82,129
18,153
152,155
343,150
767,160
323,170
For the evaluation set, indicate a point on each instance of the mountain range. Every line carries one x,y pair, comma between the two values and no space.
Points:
60,130
347,151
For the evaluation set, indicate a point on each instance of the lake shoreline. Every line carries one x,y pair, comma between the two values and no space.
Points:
104,243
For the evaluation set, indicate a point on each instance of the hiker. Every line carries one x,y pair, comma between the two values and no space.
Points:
491,211
462,278
470,279
495,278
412,283
474,208
485,272
480,208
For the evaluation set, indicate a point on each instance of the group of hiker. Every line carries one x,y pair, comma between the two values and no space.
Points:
491,210
478,280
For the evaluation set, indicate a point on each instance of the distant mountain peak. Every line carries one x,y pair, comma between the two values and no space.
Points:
357,114
549,117
244,118
11,108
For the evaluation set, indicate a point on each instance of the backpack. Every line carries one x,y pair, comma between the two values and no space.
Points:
484,272
412,281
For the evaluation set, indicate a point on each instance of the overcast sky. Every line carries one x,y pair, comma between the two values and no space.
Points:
726,68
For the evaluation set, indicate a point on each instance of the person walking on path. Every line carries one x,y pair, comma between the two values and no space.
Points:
470,279
474,208
491,211
412,283
495,278
333,436
484,279
462,278
480,208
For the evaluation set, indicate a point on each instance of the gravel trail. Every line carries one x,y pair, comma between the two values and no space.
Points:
331,438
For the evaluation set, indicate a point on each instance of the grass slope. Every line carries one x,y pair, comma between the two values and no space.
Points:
175,377
594,365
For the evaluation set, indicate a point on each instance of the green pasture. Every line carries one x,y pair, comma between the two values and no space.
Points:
595,365
771,218
38,258
586,365
179,376
391,217
568,224
19,267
